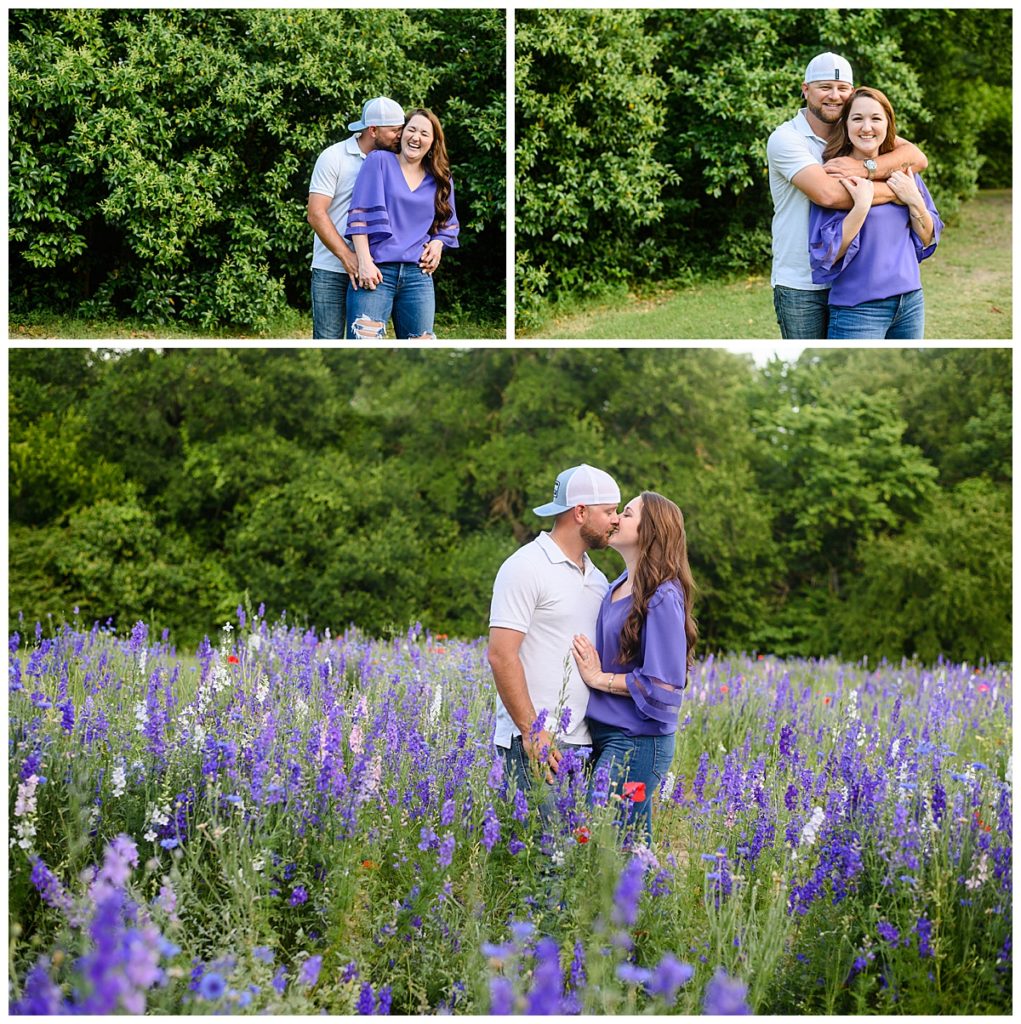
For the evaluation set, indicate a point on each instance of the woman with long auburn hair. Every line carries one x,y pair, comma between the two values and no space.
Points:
401,217
870,255
643,652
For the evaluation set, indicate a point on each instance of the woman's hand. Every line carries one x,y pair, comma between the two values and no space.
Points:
587,657
904,188
368,273
861,191
432,252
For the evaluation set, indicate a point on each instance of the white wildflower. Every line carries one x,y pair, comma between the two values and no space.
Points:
811,828
667,789
981,875
141,716
355,740
120,780
437,705
254,642
25,804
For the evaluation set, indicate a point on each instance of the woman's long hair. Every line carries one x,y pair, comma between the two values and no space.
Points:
662,556
437,163
840,144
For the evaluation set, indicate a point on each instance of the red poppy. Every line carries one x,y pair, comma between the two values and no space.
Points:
982,688
441,636
232,658
635,791
724,688
369,864
826,700
582,834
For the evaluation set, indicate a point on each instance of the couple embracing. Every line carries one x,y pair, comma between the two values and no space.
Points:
616,656
381,205
853,219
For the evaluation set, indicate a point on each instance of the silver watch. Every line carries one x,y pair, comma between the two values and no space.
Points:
870,167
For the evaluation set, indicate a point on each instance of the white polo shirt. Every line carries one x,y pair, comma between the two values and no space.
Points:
334,175
791,148
542,593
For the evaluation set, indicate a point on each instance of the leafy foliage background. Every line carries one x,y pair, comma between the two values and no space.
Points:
160,159
641,148
856,502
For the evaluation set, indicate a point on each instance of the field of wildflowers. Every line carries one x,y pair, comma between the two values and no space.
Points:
290,822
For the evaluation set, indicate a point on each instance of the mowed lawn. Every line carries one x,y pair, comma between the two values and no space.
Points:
967,286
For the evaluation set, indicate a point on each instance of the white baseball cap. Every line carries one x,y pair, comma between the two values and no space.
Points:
829,67
381,112
580,485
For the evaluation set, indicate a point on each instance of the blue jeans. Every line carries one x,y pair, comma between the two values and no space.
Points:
801,313
900,316
519,767
329,301
405,293
632,759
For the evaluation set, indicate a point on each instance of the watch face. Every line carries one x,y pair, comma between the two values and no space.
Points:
870,165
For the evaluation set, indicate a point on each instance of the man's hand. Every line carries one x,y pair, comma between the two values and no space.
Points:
350,262
542,749
843,167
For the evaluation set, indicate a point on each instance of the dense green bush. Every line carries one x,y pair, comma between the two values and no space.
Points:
857,501
160,159
697,93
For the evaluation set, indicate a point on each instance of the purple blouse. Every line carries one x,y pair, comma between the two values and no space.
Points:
655,683
396,219
880,262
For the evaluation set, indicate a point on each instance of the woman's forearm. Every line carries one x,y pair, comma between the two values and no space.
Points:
852,225
921,223
361,246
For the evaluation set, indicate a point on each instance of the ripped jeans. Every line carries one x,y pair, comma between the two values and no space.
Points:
404,293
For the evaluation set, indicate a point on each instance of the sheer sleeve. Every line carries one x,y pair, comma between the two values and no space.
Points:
923,252
367,214
825,236
447,233
655,685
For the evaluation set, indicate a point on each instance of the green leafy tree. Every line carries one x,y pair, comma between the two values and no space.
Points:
160,159
943,586
589,113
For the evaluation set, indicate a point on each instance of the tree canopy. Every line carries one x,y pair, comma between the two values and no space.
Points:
857,501
641,134
160,159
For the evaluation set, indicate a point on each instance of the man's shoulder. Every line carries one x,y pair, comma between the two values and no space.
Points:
342,150
786,134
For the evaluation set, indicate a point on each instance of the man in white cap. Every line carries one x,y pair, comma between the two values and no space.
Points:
545,593
797,178
329,195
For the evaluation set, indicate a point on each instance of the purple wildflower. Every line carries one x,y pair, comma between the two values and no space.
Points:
726,996
887,932
490,829
520,806
923,927
299,895
501,997
366,1001
446,851
668,977
212,986
632,974
628,892
310,971
547,991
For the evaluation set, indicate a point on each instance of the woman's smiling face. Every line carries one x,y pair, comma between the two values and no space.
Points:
417,138
867,125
